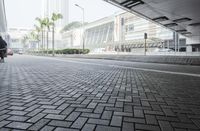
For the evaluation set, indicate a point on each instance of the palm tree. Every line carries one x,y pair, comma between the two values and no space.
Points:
47,24
54,18
24,41
41,22
38,30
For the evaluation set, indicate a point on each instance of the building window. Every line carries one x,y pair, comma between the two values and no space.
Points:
130,28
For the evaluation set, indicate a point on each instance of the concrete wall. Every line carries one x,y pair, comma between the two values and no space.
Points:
3,24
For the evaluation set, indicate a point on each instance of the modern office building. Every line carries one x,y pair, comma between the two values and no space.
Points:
56,6
180,16
123,32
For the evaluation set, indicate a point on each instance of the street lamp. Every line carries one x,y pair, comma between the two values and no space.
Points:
83,21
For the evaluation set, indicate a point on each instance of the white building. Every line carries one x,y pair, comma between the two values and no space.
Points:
56,6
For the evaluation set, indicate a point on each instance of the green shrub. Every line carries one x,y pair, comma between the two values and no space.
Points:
65,51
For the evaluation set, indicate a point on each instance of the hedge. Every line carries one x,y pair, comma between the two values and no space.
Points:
66,51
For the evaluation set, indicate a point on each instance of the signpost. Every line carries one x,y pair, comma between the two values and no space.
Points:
145,44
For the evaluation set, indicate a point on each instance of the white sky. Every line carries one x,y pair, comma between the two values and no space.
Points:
22,13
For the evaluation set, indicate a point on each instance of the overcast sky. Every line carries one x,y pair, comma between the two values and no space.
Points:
22,13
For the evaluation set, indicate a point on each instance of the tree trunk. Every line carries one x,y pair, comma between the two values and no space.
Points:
53,53
47,42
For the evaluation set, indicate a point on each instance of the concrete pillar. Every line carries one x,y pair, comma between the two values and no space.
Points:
189,48
176,41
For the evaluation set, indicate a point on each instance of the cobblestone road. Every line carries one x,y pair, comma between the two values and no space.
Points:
69,95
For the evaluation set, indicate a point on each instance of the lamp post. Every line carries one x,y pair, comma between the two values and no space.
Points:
83,21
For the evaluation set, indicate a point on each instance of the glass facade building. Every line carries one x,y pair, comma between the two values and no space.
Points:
125,32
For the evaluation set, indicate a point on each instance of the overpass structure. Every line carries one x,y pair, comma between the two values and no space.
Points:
181,16
3,22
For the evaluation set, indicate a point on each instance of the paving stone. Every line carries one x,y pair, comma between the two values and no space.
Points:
47,128
165,126
21,113
138,113
38,125
3,117
116,121
36,118
88,127
19,125
147,127
106,115
73,116
3,123
16,108
79,123
107,128
184,125
65,129
98,121
56,117
123,113
60,123
128,126
135,120
151,119
17,118
49,111
34,112
67,111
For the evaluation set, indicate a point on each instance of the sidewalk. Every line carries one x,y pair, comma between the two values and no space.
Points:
182,60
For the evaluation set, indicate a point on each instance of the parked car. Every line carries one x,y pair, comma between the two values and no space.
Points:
20,52
9,51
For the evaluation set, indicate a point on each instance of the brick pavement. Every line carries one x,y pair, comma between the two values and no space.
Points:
39,94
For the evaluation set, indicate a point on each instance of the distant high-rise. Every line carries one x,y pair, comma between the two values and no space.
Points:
56,6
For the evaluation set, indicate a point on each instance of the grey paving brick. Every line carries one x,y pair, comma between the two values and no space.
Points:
19,125
36,118
38,125
123,113
147,127
65,129
3,123
73,116
3,117
128,126
47,128
49,111
21,113
135,120
17,118
98,121
34,112
165,126
106,115
88,127
79,123
151,119
16,108
90,115
67,111
56,117
107,128
60,123
138,113
116,121
184,125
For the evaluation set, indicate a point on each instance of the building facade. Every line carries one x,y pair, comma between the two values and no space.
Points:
56,6
123,32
